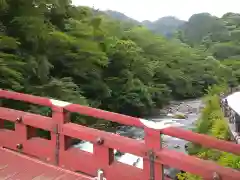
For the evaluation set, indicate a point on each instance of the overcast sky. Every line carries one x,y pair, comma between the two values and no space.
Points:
154,9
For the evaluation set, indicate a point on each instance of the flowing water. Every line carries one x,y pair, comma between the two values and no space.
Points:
189,108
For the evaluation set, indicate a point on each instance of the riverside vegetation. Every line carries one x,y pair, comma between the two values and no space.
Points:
213,123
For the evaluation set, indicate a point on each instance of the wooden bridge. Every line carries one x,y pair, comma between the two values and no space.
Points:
25,156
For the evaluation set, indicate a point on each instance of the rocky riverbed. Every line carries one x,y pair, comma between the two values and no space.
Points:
189,112
189,109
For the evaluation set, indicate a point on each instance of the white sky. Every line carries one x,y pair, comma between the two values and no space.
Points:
154,9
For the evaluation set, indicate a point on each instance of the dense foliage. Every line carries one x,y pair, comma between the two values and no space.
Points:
219,37
52,48
213,123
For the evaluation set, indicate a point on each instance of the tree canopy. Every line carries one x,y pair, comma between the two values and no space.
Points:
54,49
219,37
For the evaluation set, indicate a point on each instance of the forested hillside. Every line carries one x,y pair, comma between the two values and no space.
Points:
219,37
51,48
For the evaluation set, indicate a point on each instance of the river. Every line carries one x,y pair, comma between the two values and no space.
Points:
190,108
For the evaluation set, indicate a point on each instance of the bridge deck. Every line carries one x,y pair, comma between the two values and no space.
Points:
14,166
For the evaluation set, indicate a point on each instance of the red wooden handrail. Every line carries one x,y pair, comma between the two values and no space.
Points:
57,150
206,141
25,97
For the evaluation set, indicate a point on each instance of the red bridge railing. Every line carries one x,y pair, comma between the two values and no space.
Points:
57,150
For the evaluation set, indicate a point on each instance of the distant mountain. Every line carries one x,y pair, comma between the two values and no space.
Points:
165,26
120,16
203,27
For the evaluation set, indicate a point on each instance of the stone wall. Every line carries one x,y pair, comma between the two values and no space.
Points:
231,115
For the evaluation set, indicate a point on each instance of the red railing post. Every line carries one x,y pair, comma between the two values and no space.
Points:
60,116
152,170
1,123
104,156
24,132
1,120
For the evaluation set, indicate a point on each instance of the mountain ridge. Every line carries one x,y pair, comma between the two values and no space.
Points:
166,25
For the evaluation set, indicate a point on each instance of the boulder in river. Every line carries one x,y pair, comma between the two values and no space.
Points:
180,116
176,146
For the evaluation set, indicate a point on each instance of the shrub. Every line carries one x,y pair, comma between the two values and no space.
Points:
213,123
